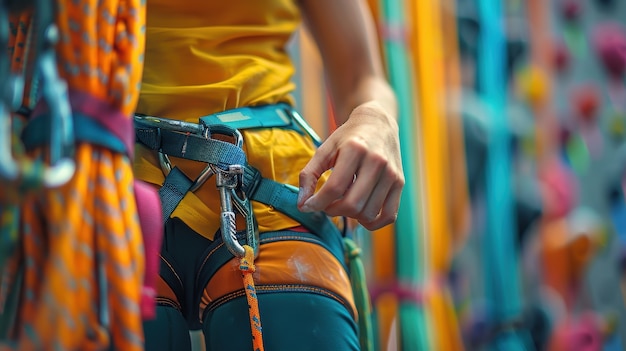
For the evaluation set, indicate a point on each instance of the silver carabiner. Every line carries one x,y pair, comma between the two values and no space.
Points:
166,168
227,182
244,207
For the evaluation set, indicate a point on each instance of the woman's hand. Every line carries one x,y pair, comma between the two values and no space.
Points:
364,152
366,180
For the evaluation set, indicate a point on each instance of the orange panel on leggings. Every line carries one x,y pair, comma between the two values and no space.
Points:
285,262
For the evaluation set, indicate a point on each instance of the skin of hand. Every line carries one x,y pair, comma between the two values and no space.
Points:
364,151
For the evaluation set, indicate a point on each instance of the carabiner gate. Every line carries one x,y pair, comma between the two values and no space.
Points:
229,185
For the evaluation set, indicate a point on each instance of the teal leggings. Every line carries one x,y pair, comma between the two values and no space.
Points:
294,317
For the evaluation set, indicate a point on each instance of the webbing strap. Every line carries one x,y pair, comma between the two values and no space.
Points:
173,191
191,147
266,116
284,198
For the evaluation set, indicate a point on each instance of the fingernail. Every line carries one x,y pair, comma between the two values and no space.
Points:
300,196
306,206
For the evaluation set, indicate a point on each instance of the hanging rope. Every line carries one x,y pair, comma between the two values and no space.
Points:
246,265
361,294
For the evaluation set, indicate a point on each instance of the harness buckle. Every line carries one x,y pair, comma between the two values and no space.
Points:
203,130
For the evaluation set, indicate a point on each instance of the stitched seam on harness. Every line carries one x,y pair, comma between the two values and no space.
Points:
172,269
164,301
262,241
206,259
281,288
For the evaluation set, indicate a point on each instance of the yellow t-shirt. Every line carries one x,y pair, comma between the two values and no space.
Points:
204,57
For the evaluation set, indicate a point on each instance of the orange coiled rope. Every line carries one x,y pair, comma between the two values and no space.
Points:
81,249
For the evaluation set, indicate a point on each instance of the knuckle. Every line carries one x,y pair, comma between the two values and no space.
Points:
388,219
369,217
377,162
370,226
351,210
357,144
333,190
396,178
379,158
400,180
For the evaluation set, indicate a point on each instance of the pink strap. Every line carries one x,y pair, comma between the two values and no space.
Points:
149,210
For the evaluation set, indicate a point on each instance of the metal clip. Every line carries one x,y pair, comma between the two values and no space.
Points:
244,207
166,167
197,129
228,183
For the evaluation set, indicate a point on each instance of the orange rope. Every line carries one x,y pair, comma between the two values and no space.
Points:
81,244
247,268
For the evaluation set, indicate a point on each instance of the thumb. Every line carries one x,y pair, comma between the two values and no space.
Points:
321,161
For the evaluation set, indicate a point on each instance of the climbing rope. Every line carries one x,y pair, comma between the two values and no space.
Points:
361,294
246,265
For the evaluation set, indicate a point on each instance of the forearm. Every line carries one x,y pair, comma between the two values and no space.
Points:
371,91
346,36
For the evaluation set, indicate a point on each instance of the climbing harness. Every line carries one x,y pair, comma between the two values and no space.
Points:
194,141
237,182
224,160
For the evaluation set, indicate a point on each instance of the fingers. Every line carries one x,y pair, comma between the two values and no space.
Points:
321,161
374,198
368,191
346,164
389,212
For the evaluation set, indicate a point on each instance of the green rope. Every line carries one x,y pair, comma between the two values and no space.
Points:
361,294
